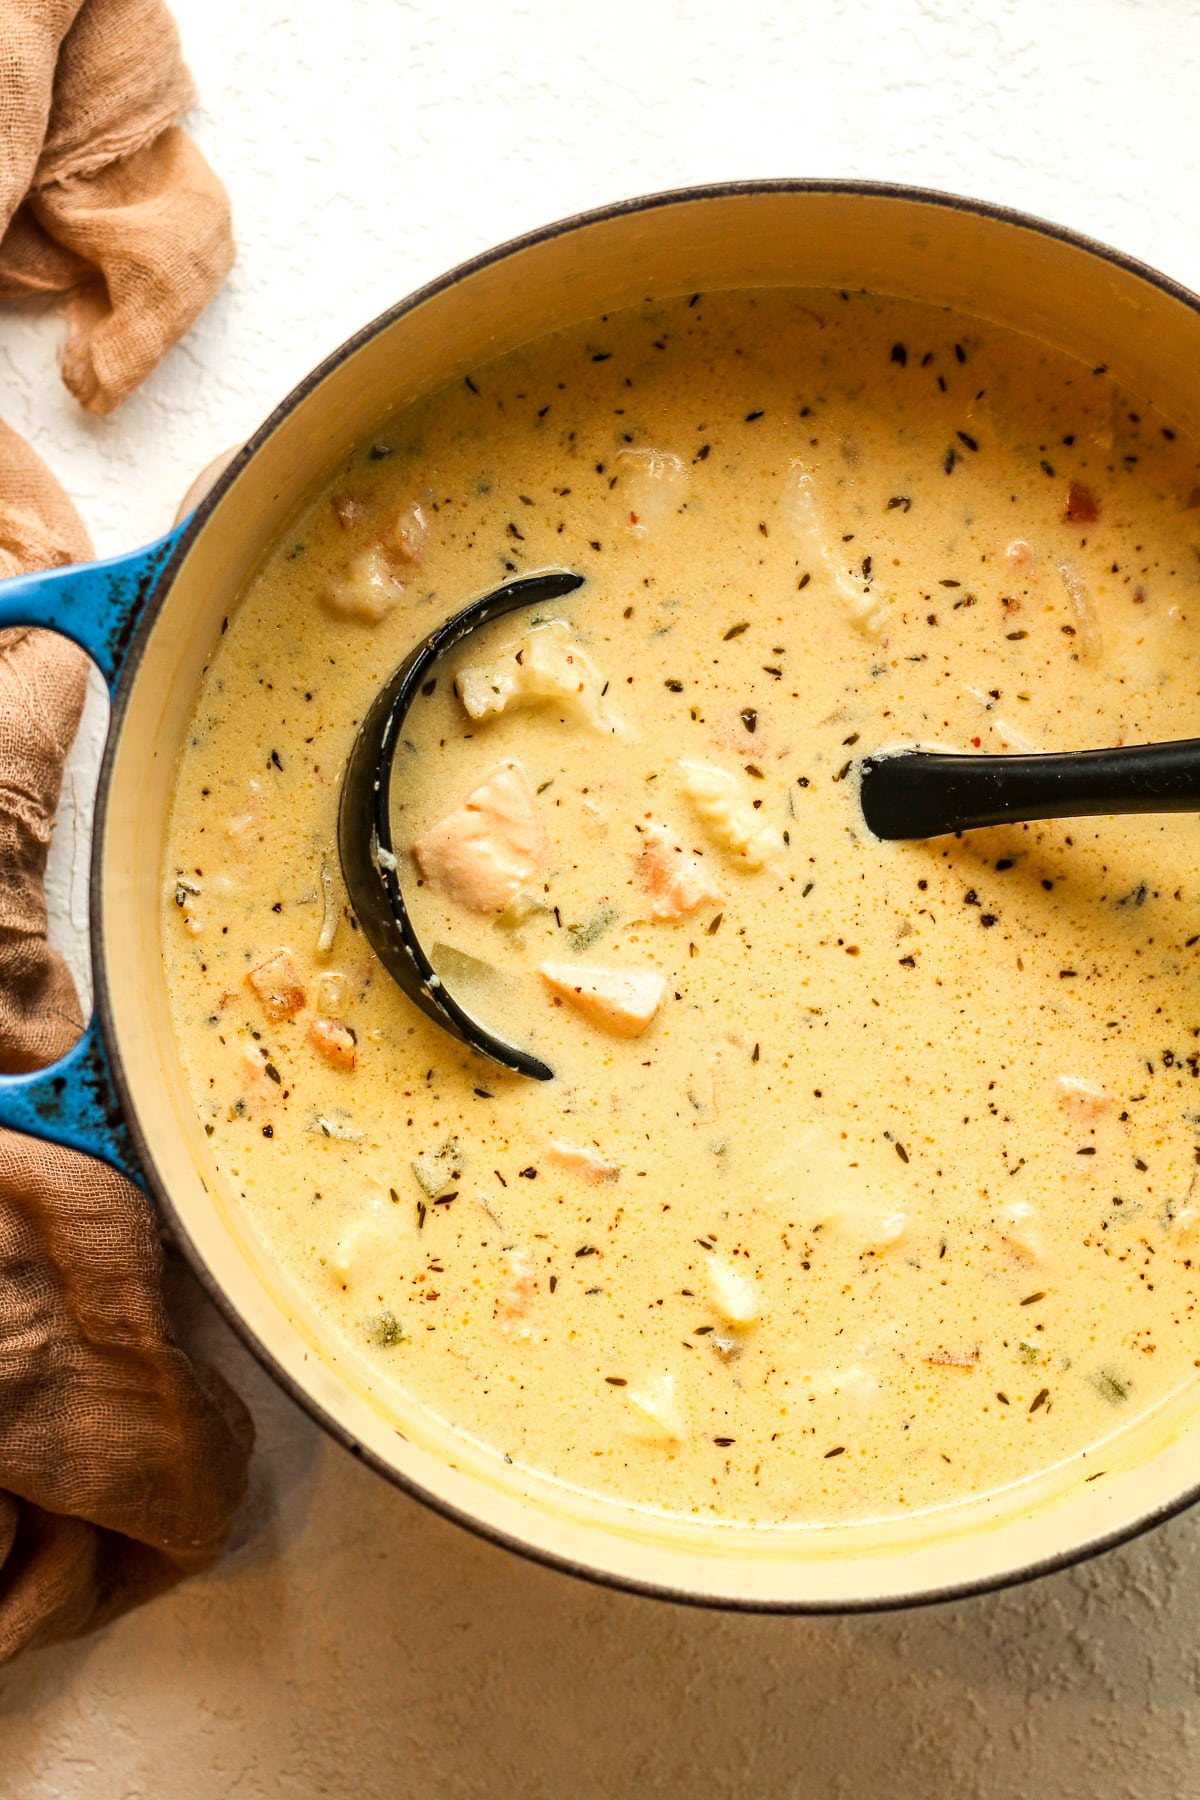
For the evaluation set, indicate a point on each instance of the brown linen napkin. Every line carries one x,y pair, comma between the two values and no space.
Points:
100,193
122,1463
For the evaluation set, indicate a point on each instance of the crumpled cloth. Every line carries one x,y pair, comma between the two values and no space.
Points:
101,194
122,1462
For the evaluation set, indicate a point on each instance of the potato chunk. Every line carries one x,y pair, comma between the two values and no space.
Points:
1021,1229
623,1001
652,485
734,1293
653,1415
277,985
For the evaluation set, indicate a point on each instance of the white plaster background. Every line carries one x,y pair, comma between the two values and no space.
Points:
351,1644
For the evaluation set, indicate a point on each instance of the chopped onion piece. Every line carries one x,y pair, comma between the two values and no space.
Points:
331,913
1087,624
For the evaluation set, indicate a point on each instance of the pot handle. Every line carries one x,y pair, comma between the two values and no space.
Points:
98,604
75,1101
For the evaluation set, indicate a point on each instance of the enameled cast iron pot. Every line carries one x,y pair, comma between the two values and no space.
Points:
151,621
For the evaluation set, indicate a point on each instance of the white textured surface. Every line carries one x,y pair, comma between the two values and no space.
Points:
351,1644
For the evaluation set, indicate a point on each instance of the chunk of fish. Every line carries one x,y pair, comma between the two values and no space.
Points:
728,815
623,1001
261,1089
482,853
870,1228
1083,1100
348,509
676,881
1185,1223
863,608
409,532
367,591
854,1388
277,985
577,1159
366,1238
333,1041
546,664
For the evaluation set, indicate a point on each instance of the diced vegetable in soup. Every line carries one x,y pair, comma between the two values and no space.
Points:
869,1175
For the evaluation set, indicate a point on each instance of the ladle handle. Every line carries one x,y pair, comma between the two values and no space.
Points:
926,793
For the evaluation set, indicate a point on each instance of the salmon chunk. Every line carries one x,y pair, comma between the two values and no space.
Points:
277,986
577,1159
676,881
623,1001
481,854
333,1041
519,1291
1083,1100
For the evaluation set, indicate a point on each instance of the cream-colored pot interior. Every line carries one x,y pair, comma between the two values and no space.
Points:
999,267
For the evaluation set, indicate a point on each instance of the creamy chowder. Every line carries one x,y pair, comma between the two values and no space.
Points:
868,1176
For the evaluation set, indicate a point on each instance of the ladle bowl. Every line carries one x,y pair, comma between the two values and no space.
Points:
370,866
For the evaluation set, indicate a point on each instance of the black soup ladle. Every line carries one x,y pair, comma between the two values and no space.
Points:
365,848
930,793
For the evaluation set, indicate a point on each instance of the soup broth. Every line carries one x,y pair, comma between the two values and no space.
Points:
868,1176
